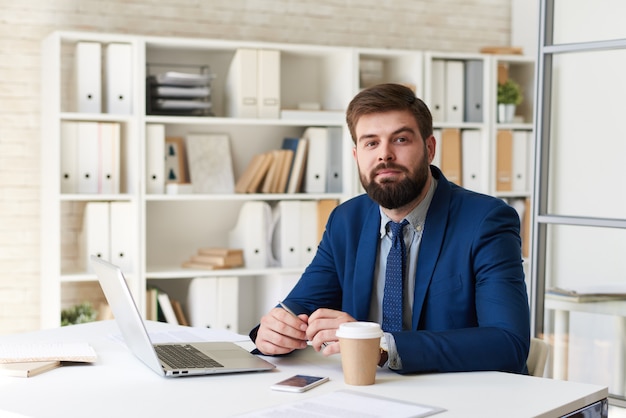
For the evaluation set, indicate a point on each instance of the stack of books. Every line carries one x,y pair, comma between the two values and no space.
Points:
215,259
276,171
179,93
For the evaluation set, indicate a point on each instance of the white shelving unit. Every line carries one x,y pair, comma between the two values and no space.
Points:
167,229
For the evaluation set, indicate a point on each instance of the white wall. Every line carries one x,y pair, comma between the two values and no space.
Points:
446,25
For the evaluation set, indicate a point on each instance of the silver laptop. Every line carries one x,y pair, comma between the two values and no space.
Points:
171,359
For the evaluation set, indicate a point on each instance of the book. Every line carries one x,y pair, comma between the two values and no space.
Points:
166,307
219,251
47,351
272,173
28,369
241,186
296,175
285,168
259,175
180,314
234,260
189,264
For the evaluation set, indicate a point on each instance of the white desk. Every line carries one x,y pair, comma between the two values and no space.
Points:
562,309
119,385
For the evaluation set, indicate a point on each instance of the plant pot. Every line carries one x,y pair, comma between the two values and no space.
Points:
506,112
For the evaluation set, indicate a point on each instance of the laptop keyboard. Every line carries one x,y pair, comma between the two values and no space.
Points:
185,356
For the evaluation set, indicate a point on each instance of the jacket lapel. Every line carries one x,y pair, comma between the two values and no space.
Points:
432,240
365,263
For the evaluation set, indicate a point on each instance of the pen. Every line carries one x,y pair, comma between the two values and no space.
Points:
282,305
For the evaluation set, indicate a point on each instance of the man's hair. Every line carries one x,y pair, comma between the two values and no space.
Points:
388,97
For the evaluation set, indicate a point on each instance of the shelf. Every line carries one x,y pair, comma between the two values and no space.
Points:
178,273
241,197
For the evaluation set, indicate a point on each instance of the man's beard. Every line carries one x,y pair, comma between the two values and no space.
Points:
393,194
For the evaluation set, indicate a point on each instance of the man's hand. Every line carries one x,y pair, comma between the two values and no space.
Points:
280,332
323,324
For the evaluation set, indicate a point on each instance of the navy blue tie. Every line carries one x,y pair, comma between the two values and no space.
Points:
392,298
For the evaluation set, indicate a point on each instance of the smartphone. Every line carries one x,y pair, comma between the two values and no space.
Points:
299,383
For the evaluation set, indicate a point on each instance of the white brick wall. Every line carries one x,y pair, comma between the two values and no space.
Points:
445,25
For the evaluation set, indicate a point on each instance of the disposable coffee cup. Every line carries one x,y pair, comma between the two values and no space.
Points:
360,351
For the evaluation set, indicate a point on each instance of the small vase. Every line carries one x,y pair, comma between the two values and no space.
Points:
506,112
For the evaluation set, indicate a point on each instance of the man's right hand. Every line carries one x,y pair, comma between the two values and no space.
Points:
280,332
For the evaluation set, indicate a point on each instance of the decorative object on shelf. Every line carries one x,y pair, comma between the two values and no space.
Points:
509,96
78,314
176,170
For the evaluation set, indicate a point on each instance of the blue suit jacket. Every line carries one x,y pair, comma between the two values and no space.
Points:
470,308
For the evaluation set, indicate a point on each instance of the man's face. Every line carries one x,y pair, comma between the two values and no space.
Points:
392,158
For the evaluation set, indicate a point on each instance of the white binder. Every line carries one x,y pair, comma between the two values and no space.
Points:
268,84
88,74
437,159
437,101
88,155
94,237
474,108
122,235
228,303
202,302
474,175
308,231
521,150
69,157
287,234
253,233
109,158
317,160
118,76
155,159
334,176
454,91
241,85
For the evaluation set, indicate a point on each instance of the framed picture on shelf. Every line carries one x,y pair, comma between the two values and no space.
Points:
176,170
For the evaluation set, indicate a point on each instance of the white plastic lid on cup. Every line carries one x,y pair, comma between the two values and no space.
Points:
359,330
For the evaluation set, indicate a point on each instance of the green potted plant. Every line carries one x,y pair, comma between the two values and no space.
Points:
78,314
509,96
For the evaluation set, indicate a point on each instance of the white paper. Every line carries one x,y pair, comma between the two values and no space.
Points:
344,403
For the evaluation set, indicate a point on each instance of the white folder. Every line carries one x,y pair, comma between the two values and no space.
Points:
437,101
69,157
228,303
334,175
155,159
317,160
454,91
287,234
88,156
241,85
122,235
94,237
521,150
268,84
309,239
437,159
474,107
474,174
119,76
253,233
88,74
202,302
109,158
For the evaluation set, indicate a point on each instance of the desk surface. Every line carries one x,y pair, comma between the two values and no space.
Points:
120,385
